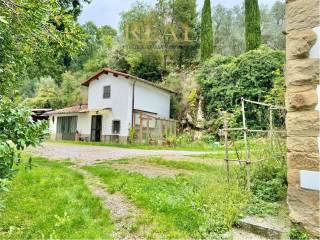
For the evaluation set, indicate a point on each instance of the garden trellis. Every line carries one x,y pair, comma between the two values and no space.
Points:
150,128
245,131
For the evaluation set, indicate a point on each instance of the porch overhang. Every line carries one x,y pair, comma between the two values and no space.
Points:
96,110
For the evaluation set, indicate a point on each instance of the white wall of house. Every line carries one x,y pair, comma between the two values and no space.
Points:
147,98
84,123
118,101
152,99
52,127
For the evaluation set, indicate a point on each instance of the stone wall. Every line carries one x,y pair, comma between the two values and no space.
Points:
302,102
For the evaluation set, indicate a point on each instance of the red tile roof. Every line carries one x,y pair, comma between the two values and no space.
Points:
73,109
116,73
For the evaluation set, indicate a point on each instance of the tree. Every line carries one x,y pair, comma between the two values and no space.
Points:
70,90
206,31
229,30
35,37
17,131
252,24
146,65
47,95
169,28
72,6
272,20
97,40
184,14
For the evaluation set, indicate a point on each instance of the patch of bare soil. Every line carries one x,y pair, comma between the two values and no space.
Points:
123,213
151,171
194,159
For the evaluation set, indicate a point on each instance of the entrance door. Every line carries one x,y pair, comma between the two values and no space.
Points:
96,126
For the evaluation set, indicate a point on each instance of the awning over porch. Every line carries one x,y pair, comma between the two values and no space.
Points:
96,110
73,109
81,108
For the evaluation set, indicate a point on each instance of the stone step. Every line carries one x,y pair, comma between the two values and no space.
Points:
240,234
270,227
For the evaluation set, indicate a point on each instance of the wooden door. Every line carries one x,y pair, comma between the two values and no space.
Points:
96,127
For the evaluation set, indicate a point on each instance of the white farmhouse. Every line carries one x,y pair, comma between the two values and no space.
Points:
116,102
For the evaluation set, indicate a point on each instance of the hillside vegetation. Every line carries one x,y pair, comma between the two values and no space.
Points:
204,88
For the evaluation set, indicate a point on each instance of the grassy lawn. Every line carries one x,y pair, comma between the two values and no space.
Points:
199,206
198,146
187,165
51,201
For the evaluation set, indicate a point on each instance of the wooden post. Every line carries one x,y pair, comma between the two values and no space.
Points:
226,156
148,131
160,128
141,128
271,127
166,127
245,143
134,120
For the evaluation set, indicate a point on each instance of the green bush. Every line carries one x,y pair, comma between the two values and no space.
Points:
252,75
208,138
296,233
132,135
184,139
270,181
268,187
17,131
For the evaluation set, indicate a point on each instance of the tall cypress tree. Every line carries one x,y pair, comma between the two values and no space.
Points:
206,31
252,20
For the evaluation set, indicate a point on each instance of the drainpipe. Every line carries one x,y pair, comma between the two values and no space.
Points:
132,110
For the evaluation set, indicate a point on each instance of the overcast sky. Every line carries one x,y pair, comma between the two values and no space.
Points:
103,12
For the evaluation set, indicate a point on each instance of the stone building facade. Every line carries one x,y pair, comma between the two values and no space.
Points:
302,30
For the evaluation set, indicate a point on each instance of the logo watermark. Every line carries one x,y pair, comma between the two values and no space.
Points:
159,36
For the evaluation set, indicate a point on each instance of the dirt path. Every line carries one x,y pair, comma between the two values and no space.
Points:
123,213
88,155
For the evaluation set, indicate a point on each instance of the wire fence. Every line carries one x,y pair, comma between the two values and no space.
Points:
247,146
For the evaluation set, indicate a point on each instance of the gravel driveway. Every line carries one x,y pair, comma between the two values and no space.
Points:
88,154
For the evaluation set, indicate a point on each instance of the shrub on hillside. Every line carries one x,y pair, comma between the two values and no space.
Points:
224,80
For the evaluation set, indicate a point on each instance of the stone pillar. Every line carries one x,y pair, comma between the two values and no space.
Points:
302,103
